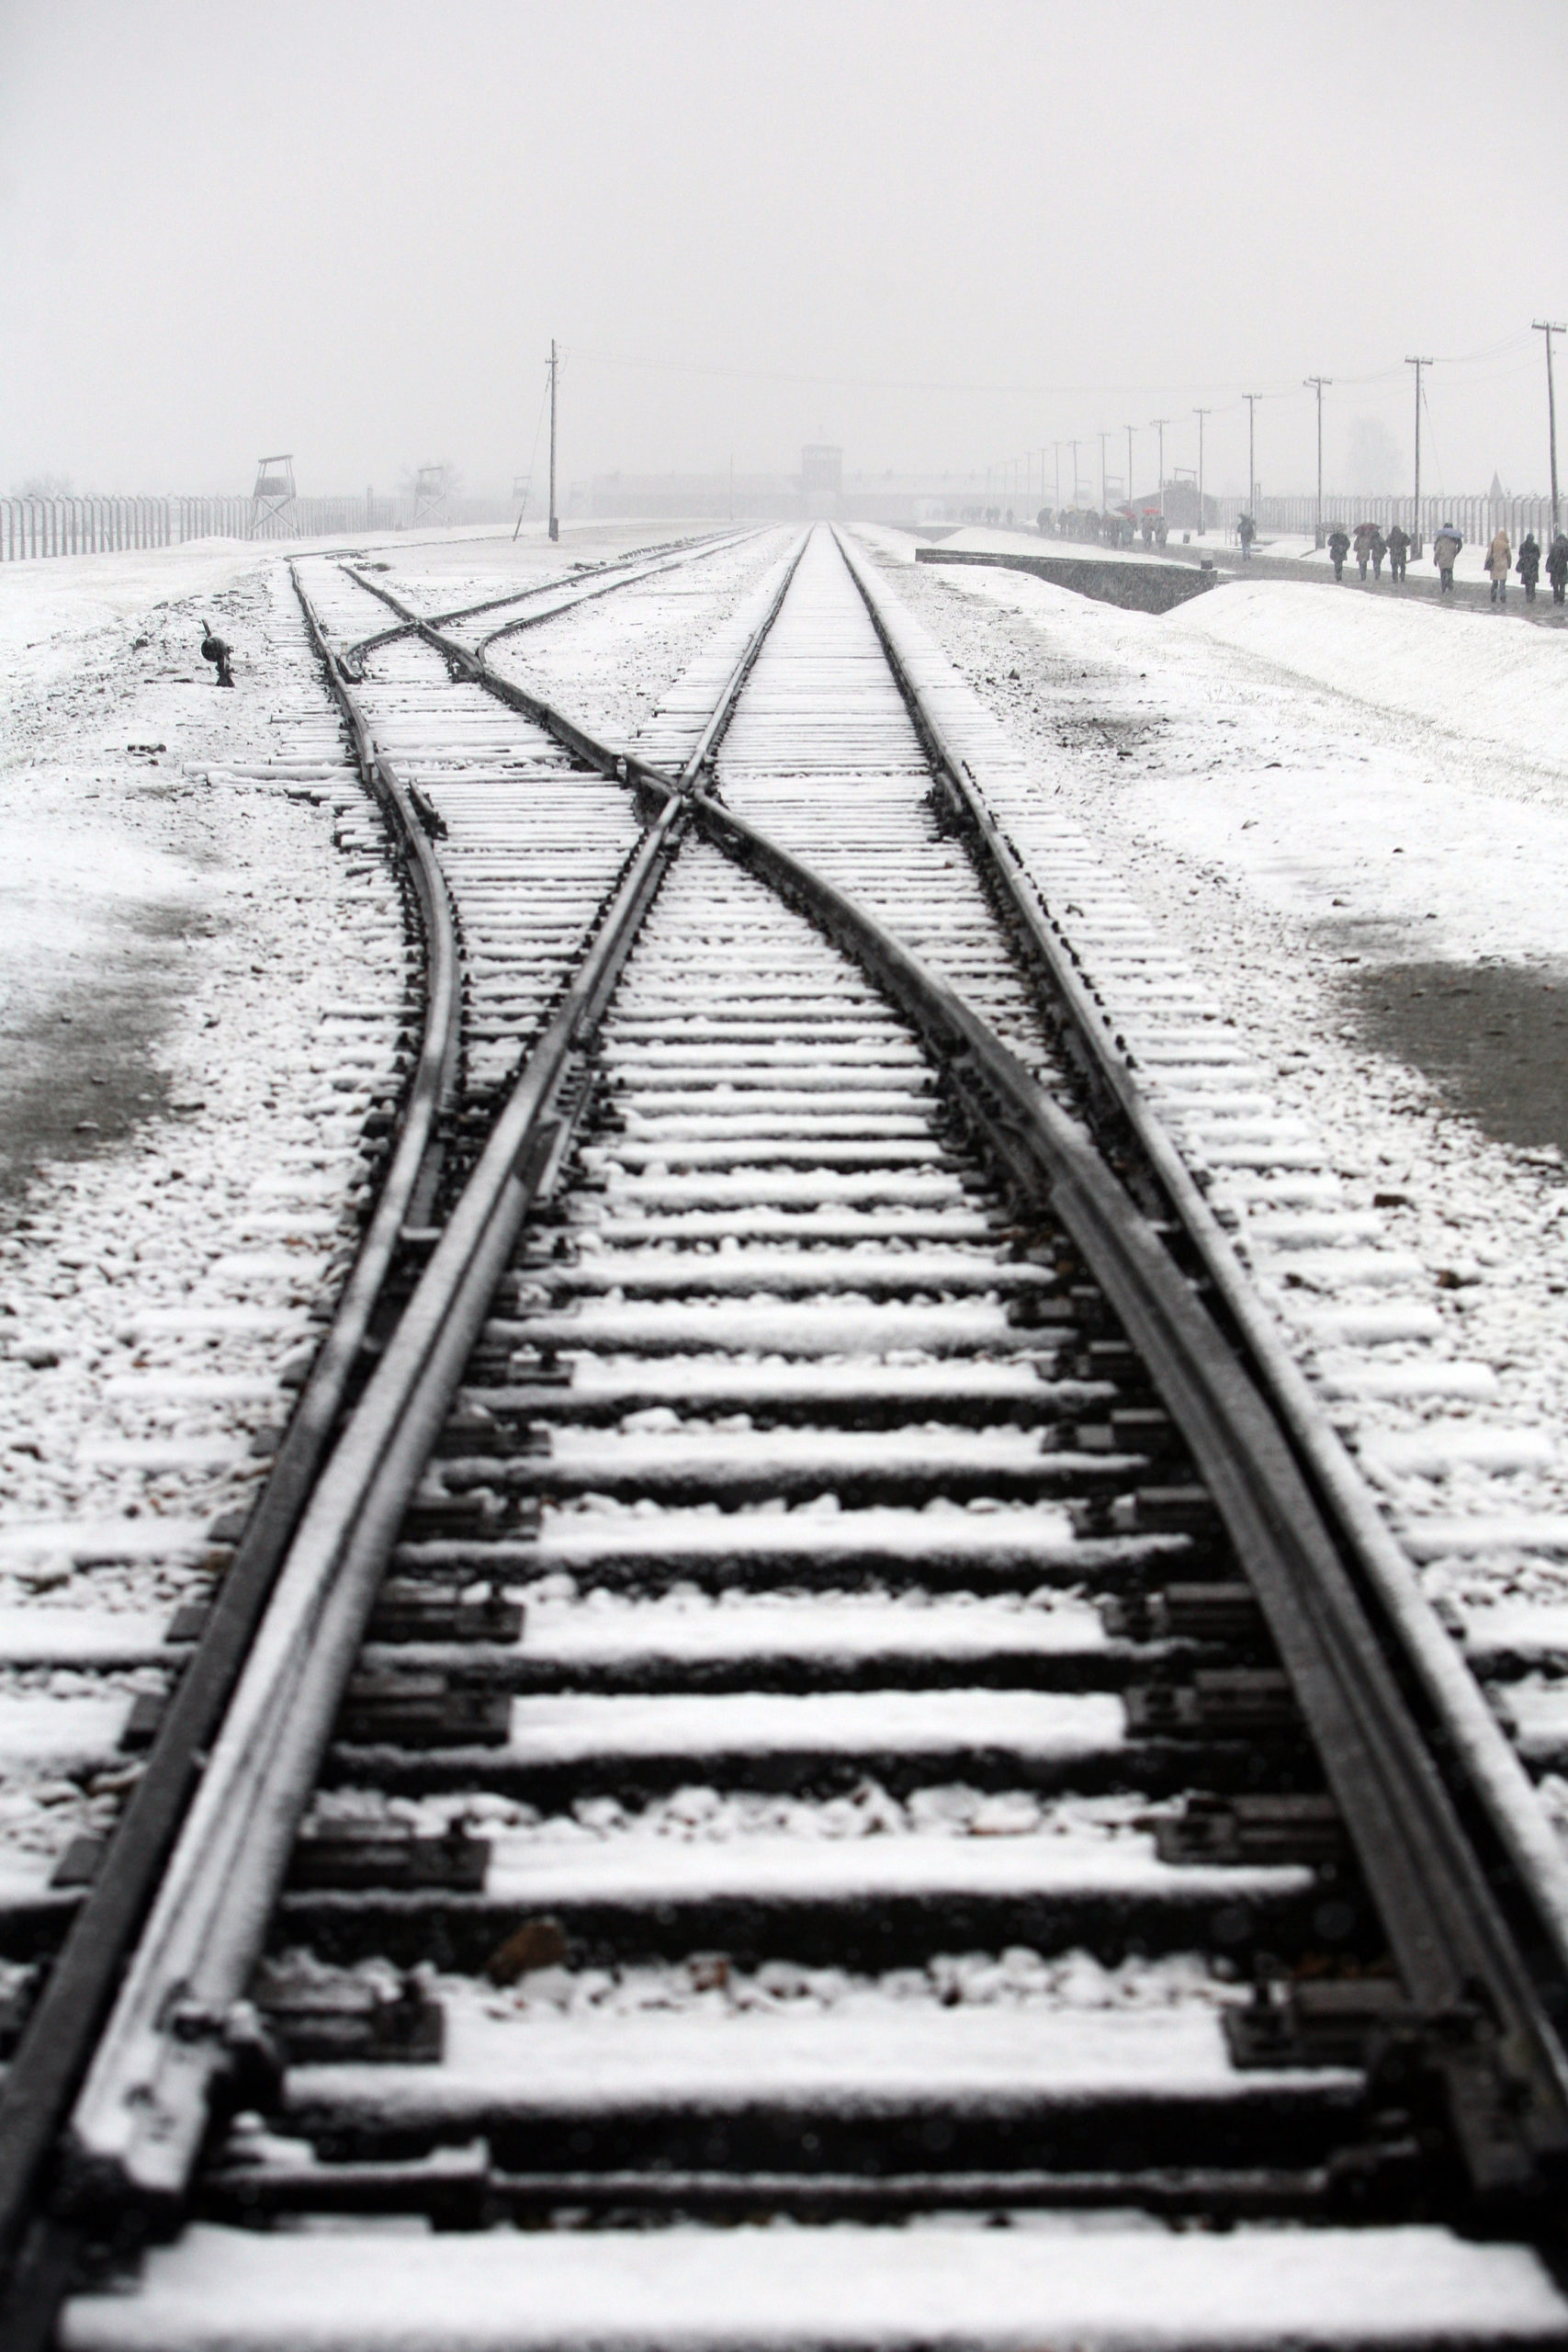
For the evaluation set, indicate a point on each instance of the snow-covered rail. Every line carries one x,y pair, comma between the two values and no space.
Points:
823,1678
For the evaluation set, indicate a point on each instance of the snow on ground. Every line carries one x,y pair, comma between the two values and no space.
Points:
1499,688
1358,891
610,662
199,995
1048,2280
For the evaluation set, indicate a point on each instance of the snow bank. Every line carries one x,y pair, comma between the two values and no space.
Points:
1471,672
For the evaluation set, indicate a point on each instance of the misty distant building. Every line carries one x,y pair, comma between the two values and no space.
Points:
821,479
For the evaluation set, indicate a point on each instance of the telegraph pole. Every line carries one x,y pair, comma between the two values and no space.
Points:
1418,364
1159,424
1252,399
1128,468
1549,327
1201,413
1074,447
1104,438
555,521
1319,381
1057,452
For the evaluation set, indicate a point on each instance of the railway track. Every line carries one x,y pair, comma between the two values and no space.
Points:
824,1693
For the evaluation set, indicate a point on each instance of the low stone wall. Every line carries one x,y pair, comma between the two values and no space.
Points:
1140,585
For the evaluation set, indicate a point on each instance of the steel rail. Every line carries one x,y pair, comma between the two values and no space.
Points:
143,2113
140,2120
1500,2062
628,579
1502,1788
623,767
55,2050
1337,1495
181,2021
629,569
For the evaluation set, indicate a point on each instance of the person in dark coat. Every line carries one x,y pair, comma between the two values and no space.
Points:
1339,548
1245,531
1528,564
1557,566
1398,551
1364,532
1379,548
1162,532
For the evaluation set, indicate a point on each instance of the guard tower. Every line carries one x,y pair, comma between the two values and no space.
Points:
432,494
272,500
821,479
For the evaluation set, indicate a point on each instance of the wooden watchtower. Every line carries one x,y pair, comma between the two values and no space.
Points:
432,494
272,500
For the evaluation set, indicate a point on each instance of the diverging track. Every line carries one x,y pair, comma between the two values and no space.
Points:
815,1682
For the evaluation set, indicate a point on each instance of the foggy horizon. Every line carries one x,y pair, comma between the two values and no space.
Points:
936,236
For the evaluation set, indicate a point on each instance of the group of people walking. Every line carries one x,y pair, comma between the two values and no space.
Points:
1114,528
1500,560
1370,546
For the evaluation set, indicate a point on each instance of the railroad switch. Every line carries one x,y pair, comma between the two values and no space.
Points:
1440,2070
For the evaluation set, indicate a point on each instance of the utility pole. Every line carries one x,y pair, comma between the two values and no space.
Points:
1104,438
1309,381
1549,327
1252,399
1074,447
1159,424
1128,468
1201,413
1416,523
1057,452
555,521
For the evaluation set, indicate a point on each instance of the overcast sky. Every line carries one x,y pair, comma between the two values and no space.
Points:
936,231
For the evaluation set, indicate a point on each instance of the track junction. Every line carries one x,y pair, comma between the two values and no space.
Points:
807,1665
